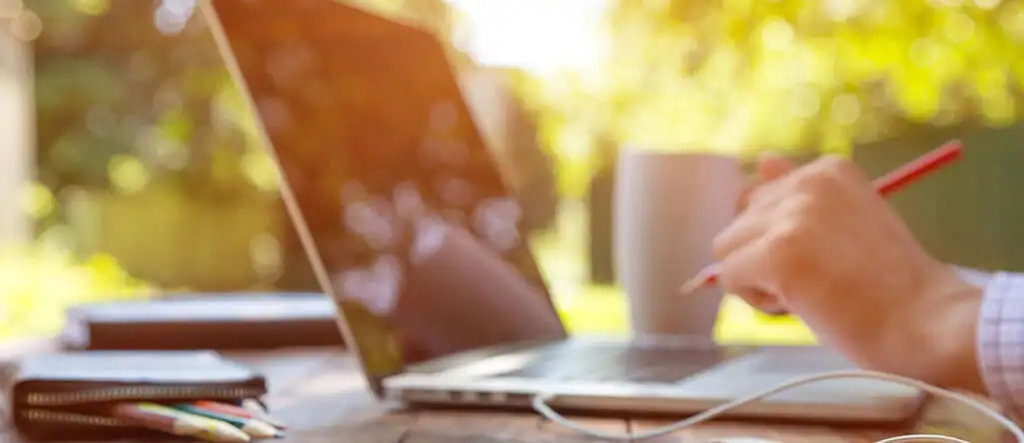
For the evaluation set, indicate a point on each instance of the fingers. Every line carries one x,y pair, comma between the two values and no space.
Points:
769,168
742,271
769,206
741,274
775,309
841,167
744,200
772,167
764,302
743,248
740,233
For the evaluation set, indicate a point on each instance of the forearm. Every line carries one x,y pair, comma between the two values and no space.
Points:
990,361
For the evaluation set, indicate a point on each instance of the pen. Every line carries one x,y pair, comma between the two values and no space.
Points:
885,186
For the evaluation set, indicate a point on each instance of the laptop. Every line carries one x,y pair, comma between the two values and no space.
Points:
413,232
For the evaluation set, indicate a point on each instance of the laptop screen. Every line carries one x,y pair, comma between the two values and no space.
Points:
417,233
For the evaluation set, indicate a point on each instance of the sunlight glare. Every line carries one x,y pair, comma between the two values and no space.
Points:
539,36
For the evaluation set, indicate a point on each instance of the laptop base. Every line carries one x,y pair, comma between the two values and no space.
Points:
742,372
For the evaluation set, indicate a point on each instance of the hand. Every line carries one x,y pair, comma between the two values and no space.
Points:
822,244
769,168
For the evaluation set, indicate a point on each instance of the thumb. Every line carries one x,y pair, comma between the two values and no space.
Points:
771,167
764,302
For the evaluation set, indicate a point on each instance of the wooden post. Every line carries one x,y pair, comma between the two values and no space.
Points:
17,126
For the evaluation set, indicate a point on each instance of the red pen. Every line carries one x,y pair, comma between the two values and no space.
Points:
884,185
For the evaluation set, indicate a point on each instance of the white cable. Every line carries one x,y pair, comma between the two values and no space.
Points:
540,404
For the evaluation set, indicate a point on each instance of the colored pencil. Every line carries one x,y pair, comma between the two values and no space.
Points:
165,419
885,186
253,411
255,406
251,426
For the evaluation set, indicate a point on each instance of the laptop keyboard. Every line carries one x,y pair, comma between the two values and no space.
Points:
801,360
609,362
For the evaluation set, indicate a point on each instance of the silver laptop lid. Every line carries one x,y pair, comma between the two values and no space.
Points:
403,212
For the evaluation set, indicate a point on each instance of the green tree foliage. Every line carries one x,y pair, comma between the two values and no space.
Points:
741,76
123,95
124,87
745,75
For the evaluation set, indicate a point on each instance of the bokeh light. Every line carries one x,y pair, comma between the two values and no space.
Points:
25,25
539,36
91,7
128,174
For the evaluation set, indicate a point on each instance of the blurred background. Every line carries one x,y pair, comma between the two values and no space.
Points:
128,165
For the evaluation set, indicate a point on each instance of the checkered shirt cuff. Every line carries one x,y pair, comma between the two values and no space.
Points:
1001,340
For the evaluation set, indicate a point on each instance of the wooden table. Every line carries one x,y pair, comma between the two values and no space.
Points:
321,396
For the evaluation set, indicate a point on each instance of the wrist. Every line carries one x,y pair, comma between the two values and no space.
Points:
950,329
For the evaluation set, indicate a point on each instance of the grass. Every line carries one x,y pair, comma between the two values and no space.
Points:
600,309
37,285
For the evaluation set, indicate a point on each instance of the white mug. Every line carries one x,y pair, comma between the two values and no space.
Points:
669,206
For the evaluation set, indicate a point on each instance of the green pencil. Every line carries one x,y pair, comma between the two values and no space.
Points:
250,426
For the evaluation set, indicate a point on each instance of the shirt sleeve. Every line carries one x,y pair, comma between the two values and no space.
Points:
1001,340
